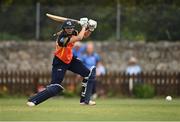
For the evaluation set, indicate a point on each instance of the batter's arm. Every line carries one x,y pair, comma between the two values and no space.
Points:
79,37
87,34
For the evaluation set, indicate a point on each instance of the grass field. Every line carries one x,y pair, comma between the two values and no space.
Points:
106,110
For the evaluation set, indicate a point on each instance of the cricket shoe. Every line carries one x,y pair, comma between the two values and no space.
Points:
90,103
30,104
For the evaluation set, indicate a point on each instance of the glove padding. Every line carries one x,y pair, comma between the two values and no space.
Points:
83,22
92,24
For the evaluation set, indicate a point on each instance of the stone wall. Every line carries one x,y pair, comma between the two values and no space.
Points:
32,55
161,56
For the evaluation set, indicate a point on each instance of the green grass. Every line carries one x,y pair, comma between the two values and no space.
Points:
106,109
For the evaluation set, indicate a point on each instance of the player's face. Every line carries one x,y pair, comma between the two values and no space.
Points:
90,48
69,30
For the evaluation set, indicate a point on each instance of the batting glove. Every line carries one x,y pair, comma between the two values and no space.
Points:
84,22
92,24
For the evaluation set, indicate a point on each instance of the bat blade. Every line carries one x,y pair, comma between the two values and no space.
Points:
59,18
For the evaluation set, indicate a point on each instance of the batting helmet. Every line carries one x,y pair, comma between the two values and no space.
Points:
68,24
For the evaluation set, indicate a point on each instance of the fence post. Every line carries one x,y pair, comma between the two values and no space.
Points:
131,80
37,20
118,19
178,80
35,81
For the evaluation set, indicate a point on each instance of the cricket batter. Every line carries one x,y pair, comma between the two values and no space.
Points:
64,60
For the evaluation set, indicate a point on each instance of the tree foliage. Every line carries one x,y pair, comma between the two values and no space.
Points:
140,19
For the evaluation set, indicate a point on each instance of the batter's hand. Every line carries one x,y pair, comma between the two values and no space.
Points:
84,22
92,24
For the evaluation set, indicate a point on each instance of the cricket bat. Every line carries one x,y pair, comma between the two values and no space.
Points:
60,18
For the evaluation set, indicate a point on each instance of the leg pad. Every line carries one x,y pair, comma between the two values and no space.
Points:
50,91
87,86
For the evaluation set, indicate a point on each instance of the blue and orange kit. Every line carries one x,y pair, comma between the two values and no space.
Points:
64,46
